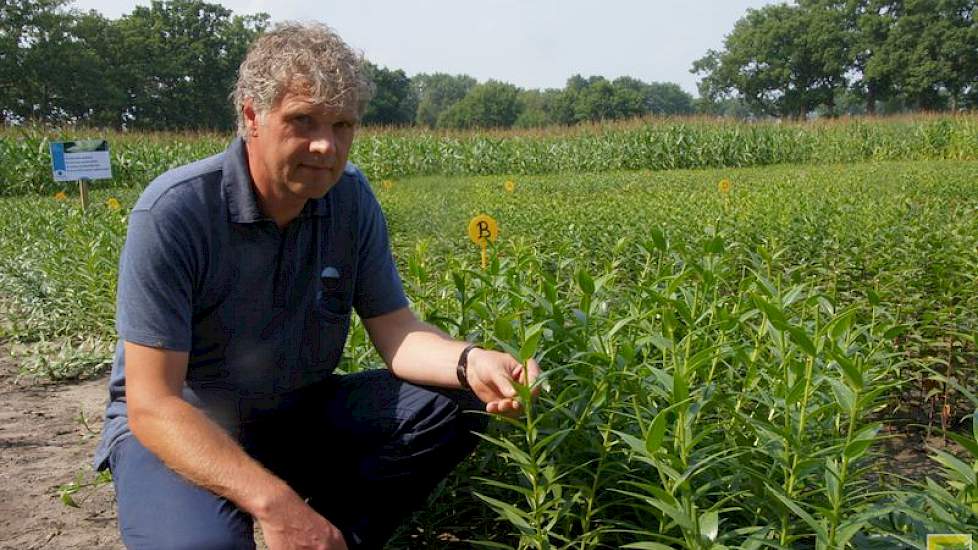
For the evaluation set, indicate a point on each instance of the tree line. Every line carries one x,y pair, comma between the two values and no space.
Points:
168,66
457,101
846,56
172,64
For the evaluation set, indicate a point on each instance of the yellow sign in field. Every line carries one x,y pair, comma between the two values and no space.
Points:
483,229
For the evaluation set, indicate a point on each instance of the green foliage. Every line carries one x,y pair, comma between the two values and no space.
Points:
717,375
537,109
83,485
170,65
594,99
656,145
490,105
180,59
72,358
49,66
930,51
395,102
437,93
783,60
61,265
662,145
663,98
720,365
793,59
137,158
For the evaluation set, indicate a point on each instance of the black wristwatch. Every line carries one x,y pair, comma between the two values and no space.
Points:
461,370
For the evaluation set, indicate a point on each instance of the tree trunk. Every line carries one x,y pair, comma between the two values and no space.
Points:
42,113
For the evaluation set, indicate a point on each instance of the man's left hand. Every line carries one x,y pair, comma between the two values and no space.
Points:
491,375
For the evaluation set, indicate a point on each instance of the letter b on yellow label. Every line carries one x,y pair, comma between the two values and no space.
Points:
483,228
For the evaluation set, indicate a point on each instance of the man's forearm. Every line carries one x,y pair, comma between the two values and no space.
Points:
195,447
420,353
427,356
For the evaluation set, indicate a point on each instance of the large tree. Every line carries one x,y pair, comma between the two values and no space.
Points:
537,108
101,96
41,61
656,98
167,66
872,21
395,101
180,62
436,93
787,59
490,105
930,52
783,60
599,100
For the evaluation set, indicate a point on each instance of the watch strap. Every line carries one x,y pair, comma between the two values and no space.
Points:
461,370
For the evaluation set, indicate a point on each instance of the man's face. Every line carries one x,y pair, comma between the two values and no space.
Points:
298,149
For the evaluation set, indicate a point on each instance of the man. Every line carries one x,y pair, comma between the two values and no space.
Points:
236,285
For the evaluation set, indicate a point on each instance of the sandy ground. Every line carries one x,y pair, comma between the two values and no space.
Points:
43,445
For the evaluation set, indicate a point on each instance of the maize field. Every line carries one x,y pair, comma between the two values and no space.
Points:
666,144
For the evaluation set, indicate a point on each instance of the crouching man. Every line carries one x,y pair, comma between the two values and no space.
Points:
236,285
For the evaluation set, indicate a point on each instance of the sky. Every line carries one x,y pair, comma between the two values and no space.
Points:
529,43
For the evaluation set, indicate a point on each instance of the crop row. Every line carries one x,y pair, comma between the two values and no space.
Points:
656,145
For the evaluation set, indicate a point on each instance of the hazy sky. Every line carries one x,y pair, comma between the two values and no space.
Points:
530,43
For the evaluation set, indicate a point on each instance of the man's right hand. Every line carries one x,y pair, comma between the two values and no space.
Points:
289,523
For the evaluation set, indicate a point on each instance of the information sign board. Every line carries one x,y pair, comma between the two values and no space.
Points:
86,159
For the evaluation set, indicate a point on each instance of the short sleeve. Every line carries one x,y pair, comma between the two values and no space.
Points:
154,302
378,286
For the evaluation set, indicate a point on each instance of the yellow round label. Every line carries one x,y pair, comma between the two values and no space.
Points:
483,228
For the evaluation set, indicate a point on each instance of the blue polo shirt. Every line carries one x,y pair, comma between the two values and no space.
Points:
261,311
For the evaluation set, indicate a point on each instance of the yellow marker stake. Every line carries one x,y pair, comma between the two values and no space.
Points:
483,229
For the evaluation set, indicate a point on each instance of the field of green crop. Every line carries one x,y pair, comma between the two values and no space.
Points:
661,145
730,353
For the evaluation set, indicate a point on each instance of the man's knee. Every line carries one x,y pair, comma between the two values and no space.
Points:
158,509
185,539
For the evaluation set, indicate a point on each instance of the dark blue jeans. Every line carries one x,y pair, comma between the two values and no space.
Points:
366,449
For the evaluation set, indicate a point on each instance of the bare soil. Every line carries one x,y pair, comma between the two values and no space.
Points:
44,444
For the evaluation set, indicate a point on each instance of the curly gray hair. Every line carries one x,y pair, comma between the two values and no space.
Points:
309,55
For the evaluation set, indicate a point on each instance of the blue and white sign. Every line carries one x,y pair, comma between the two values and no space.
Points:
86,159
